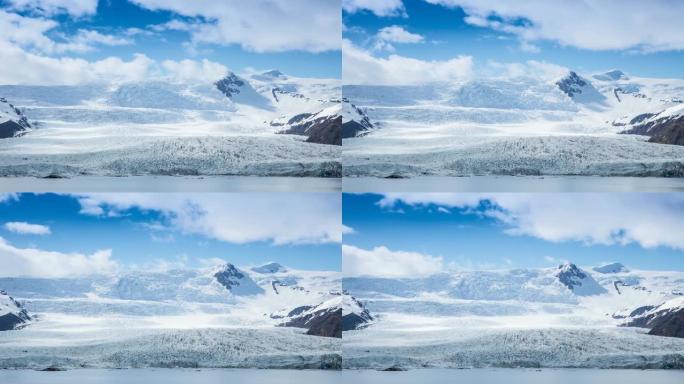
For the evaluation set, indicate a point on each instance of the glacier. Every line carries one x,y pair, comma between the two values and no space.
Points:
517,126
166,127
532,318
215,317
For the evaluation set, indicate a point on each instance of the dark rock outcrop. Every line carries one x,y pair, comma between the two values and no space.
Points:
668,130
358,319
230,85
325,129
236,281
668,321
571,84
14,316
13,123
670,324
326,322
357,124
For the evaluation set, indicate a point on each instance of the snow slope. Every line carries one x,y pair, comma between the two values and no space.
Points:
513,318
164,127
518,126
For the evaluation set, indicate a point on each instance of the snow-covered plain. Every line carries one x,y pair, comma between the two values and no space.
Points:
177,318
169,128
521,126
517,318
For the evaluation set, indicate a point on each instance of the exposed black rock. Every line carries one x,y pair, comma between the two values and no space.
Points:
15,123
667,130
229,85
326,322
327,325
670,324
327,132
665,322
16,315
356,320
320,130
358,124
571,84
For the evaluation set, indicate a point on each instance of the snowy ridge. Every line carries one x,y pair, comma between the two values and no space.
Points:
516,126
207,317
516,318
12,314
214,123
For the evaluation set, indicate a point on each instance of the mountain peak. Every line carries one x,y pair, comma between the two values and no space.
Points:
269,268
273,73
230,84
12,314
236,281
612,75
611,268
578,281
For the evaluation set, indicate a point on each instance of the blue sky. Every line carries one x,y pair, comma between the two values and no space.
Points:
299,37
457,229
140,232
641,38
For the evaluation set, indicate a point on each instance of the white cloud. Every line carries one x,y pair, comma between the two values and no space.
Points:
588,24
204,70
347,230
75,8
383,262
281,218
21,67
650,220
39,263
530,68
25,228
382,8
260,25
361,67
395,34
5,197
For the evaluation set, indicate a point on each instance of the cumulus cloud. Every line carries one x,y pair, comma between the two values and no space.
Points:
204,70
281,218
361,67
22,67
650,220
5,197
395,34
588,24
382,8
24,228
383,262
35,262
531,68
259,25
74,8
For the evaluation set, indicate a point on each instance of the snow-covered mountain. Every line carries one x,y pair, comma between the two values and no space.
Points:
12,314
578,281
13,123
355,122
578,124
170,127
218,316
611,268
566,316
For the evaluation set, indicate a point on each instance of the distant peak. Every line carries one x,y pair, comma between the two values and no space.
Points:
273,73
269,268
611,268
612,75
